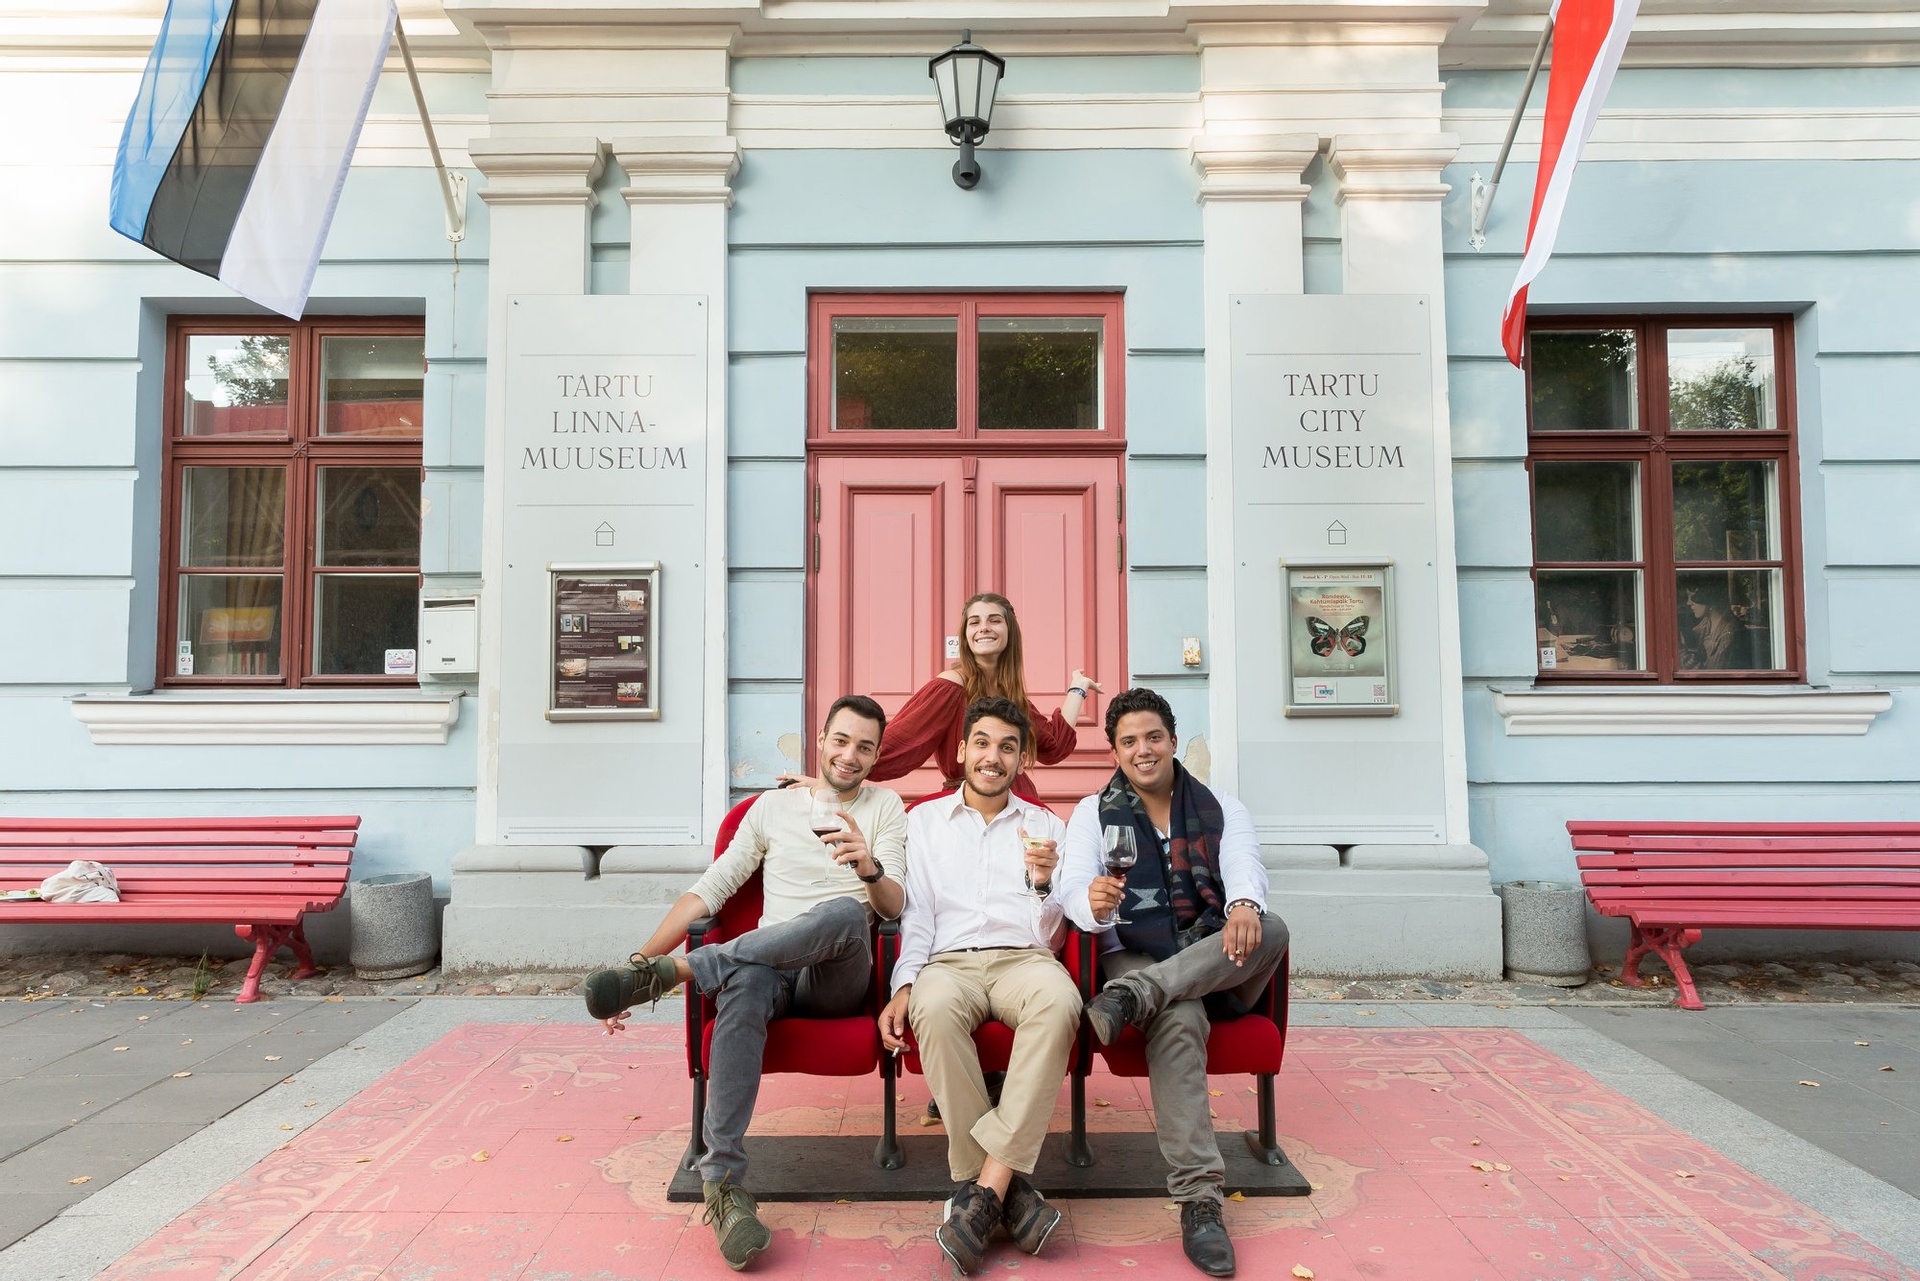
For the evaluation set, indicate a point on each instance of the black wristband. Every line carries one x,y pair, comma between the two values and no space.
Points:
876,878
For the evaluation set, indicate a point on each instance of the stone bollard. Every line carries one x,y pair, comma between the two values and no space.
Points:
1546,932
396,932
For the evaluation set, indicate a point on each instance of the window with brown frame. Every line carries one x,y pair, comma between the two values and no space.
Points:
1665,513
979,366
292,521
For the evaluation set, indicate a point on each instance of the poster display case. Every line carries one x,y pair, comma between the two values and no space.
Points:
603,621
1340,636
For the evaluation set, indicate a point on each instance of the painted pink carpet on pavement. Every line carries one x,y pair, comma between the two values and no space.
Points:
536,1153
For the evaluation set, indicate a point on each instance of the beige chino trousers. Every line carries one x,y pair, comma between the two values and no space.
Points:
1032,993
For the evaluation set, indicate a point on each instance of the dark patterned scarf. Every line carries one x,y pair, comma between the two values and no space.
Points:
1196,902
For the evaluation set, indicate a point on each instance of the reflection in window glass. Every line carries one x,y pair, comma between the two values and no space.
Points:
1586,511
1730,621
368,516
895,373
1040,373
1583,380
229,625
1720,379
1588,620
371,386
357,618
1725,511
233,516
236,385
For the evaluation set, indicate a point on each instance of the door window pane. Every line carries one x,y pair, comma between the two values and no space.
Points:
1586,511
1720,379
1584,380
367,516
1725,511
229,625
357,618
896,373
233,516
371,386
1730,620
236,385
1040,373
1588,620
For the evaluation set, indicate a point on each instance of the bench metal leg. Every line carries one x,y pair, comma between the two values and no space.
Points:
1668,943
266,941
1078,1153
697,1144
886,1153
1265,1142
297,940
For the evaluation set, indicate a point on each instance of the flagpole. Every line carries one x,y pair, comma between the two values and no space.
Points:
456,214
1483,191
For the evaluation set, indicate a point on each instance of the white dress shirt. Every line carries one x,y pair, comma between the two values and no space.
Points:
1242,874
966,882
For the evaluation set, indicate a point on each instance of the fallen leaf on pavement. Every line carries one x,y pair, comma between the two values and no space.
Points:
178,1075
1683,1174
1863,1042
121,1049
1302,1271
1814,1084
273,1058
140,991
926,1120
563,1138
1886,1067
85,1178
1216,1093
1485,1167
1501,1166
1101,1103
286,1127
1236,1196
361,1160
481,1155
1474,1143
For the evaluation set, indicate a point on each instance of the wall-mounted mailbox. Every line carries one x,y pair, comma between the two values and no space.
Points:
449,635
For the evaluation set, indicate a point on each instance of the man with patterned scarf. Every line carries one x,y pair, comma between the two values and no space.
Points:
1194,938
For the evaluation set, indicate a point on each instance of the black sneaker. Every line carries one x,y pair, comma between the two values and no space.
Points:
642,979
736,1223
972,1216
1112,1012
1203,1234
1029,1219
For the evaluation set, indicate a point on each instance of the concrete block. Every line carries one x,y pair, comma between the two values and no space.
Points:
552,936
1281,858
1406,911
687,860
524,858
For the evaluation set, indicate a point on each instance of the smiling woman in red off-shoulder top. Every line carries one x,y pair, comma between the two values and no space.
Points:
927,730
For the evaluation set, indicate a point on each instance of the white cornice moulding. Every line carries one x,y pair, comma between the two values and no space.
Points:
1254,166
1673,713
678,170
523,171
160,720
1391,166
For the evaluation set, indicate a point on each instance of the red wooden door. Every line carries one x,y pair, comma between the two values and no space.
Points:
903,541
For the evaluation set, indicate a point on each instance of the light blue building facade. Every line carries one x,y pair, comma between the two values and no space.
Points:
759,160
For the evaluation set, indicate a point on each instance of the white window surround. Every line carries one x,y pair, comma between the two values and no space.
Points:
306,718
1672,712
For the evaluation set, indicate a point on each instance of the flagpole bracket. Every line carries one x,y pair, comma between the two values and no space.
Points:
1482,202
456,211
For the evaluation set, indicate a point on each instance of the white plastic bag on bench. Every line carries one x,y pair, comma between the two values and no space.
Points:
84,881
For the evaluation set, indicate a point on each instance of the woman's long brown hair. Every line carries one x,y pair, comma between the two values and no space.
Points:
1010,673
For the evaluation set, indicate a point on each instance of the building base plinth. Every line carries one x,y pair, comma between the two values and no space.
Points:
1387,911
559,907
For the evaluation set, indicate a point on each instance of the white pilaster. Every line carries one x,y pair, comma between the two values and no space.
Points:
678,192
1390,194
1251,197
539,195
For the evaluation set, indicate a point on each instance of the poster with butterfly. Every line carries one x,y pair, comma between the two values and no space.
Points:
1339,640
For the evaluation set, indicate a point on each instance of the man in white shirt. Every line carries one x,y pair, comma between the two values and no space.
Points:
977,943
1195,937
811,956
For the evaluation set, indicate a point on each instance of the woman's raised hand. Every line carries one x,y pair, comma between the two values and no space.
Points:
1080,680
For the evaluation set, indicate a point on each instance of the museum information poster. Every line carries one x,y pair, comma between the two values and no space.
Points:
1339,636
603,643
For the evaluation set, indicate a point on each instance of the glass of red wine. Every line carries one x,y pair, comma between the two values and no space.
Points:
1121,853
823,816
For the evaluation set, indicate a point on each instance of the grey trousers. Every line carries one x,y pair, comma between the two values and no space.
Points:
1169,996
818,965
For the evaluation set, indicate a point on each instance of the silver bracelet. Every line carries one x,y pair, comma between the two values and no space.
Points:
1243,902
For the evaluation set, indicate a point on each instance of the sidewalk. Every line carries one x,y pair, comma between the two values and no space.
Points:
1620,1140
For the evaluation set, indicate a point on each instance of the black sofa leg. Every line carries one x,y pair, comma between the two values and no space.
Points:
1265,1142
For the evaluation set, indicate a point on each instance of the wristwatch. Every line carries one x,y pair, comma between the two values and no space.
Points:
878,874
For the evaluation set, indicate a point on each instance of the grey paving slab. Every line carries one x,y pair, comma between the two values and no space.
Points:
22,1212
17,1136
1809,1111
65,1098
12,1011
1351,1014
98,1153
1460,1014
1883,1153
1898,1023
196,1100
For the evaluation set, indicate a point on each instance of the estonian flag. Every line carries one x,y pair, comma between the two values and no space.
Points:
239,139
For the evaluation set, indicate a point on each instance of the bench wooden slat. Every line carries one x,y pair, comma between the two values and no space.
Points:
114,858
224,823
112,840
1688,876
1807,845
1582,827
141,873
186,887
1752,859
1828,917
193,912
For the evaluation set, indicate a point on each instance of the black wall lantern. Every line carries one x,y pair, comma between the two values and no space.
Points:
966,76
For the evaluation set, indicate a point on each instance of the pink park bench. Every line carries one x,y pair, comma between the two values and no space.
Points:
261,875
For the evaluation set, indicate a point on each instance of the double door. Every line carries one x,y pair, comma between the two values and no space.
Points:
899,542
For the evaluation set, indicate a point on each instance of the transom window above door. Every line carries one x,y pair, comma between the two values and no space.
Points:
989,366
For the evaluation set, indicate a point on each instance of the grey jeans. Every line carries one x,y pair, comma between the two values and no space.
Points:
818,965
1169,995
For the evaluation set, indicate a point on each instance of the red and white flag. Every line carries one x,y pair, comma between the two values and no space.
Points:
1588,38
